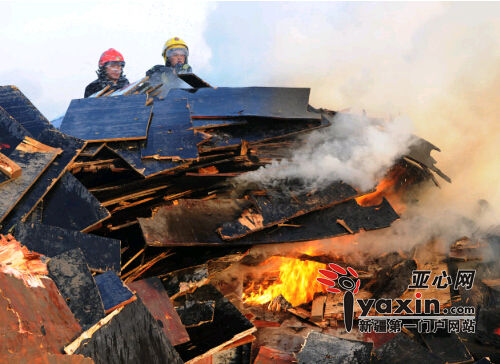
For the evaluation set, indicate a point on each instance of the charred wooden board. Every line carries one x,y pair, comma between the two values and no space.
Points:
70,148
183,280
193,80
448,347
113,291
155,298
216,123
108,118
11,132
236,355
228,325
402,349
21,109
131,153
257,130
33,318
129,334
272,102
190,222
81,209
323,348
194,313
281,205
420,151
34,158
72,277
170,135
172,225
101,253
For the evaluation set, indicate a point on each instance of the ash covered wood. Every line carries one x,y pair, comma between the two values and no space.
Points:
402,349
129,334
278,206
71,274
322,348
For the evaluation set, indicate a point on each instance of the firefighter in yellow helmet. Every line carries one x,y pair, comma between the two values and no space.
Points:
175,53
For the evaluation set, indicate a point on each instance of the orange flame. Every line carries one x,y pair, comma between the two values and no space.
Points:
386,188
297,283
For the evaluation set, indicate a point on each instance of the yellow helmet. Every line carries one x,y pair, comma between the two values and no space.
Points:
172,43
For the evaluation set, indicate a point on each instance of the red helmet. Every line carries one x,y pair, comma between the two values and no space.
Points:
111,55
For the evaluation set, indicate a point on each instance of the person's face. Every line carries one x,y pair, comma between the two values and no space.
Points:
177,57
113,70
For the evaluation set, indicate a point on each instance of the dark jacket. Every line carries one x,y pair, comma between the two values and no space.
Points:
99,84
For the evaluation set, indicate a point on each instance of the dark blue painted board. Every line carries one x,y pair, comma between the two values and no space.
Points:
108,118
170,134
101,253
113,290
271,102
21,109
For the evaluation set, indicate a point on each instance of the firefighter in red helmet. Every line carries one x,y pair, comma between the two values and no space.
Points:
110,72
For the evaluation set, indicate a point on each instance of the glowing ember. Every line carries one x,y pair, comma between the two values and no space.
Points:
386,188
297,283
497,331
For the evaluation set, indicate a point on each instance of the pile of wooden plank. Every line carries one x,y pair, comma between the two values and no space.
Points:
133,205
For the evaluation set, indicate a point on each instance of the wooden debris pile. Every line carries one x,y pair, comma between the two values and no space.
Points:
132,213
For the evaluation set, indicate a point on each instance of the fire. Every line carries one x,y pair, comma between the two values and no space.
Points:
296,282
387,188
497,331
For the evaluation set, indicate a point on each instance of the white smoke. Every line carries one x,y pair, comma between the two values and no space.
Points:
355,149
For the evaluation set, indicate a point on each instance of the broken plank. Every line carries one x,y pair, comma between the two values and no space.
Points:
113,291
272,102
200,124
81,209
170,136
11,132
9,167
129,334
318,308
165,227
193,80
184,280
101,253
281,205
70,148
33,318
108,118
33,158
156,300
228,326
72,277
21,109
